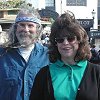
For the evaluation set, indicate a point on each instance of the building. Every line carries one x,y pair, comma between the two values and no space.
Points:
7,17
81,8
86,11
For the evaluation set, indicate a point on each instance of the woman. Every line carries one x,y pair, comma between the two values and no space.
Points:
70,76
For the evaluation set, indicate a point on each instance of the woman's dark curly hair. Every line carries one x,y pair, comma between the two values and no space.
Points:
66,25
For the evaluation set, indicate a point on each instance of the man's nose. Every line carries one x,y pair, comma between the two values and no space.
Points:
26,28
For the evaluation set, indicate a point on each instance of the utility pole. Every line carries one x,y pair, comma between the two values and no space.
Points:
61,6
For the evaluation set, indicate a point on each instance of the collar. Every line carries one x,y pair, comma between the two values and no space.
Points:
37,48
79,64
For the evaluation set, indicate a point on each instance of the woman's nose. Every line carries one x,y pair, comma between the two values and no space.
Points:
66,41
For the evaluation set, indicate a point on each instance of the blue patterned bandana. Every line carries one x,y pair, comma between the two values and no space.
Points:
28,19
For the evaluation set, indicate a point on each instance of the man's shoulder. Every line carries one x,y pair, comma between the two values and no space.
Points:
40,46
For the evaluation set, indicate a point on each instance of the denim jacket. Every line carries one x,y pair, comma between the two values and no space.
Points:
17,76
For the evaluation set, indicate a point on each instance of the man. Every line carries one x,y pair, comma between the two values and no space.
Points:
21,57
95,55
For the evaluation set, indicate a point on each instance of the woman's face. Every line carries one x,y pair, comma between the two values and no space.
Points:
26,33
67,46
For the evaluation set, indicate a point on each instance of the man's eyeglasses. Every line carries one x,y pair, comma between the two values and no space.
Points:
70,39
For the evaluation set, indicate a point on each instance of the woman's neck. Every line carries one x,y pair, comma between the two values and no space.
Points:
69,61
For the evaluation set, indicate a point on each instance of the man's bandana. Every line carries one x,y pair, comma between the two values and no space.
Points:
28,19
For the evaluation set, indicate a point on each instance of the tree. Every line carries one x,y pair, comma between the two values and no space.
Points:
11,4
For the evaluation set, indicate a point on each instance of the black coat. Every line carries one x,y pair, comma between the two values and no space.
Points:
89,88
95,57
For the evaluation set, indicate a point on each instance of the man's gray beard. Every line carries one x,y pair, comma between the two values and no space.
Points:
26,39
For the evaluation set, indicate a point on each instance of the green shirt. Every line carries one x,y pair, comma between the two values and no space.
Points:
66,79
